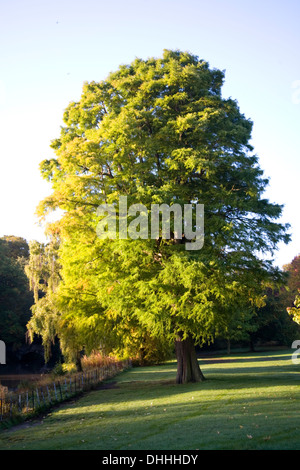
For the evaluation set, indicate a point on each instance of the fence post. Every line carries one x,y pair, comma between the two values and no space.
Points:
67,386
38,398
42,393
55,393
61,396
49,395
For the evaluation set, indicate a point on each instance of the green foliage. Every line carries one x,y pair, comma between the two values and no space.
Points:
273,321
273,324
15,297
16,247
144,349
295,310
292,271
43,273
156,131
63,369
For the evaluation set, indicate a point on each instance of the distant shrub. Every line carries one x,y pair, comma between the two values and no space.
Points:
58,369
3,391
97,360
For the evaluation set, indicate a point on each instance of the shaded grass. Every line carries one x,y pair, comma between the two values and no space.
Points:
249,401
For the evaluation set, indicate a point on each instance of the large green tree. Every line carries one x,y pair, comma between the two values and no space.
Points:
158,131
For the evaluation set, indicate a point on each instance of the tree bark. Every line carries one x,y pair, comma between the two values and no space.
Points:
252,345
188,369
142,356
78,362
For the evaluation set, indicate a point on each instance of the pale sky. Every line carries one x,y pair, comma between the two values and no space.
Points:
49,48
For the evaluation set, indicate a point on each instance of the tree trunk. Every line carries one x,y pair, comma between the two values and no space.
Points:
188,369
78,362
252,345
142,354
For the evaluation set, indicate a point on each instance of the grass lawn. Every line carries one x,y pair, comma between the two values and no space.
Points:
249,401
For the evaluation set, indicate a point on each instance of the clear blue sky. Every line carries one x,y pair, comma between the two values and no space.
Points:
49,48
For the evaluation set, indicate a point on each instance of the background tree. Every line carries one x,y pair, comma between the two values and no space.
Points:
273,324
15,296
295,310
158,131
292,286
238,325
17,248
290,295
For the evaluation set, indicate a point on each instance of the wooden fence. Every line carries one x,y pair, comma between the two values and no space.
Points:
41,397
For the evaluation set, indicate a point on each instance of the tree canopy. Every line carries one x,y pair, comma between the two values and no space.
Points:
158,131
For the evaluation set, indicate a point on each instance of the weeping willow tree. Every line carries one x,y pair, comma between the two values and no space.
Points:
42,271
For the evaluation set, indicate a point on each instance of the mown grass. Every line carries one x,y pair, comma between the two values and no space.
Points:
249,401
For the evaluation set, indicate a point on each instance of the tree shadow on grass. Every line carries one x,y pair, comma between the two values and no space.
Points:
124,402
198,420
